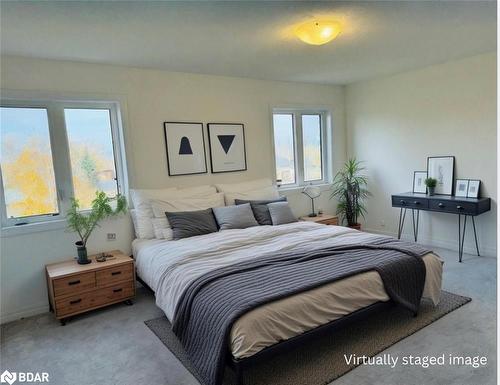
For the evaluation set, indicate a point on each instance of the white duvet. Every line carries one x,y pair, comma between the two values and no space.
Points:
168,267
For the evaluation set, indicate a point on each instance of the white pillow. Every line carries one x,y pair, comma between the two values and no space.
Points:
244,186
142,225
141,197
161,227
270,192
161,206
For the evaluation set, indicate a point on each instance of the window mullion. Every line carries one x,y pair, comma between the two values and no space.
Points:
299,166
60,155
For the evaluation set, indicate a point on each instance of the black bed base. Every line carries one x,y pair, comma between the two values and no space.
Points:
240,365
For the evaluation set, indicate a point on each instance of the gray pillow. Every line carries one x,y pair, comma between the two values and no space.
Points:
260,209
190,223
235,217
281,213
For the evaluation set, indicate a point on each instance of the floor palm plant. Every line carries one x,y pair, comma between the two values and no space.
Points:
350,189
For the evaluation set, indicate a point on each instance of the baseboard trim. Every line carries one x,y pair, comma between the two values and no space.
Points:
469,248
28,312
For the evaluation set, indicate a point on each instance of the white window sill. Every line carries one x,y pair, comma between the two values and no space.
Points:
289,190
12,231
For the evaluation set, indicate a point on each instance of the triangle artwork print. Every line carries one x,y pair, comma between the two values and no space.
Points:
226,141
185,147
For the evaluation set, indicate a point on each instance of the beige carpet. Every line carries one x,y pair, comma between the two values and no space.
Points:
321,361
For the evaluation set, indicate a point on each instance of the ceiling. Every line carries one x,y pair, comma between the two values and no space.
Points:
251,39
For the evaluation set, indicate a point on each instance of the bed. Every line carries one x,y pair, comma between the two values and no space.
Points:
169,268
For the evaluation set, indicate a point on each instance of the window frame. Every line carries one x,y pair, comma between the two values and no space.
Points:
298,142
61,153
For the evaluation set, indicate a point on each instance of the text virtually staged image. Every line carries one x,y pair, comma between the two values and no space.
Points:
248,192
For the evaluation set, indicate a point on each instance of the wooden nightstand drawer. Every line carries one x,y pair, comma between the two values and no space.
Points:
115,274
74,304
74,284
114,293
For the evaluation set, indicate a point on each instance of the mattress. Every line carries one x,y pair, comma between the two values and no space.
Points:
169,266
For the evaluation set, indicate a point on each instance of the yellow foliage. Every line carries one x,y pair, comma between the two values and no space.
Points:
31,176
29,180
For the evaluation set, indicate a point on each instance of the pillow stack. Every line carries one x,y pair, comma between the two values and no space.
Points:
174,213
150,206
259,189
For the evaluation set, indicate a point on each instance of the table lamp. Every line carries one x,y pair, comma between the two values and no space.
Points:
312,192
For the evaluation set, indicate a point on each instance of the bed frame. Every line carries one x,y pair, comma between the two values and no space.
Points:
240,365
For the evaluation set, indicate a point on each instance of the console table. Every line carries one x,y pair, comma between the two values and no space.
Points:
444,204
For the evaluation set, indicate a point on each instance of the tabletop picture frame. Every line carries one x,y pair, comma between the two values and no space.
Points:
442,168
461,188
473,188
419,182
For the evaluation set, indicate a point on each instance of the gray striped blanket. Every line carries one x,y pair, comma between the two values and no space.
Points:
212,303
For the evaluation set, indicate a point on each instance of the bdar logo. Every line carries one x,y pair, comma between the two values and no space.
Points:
8,377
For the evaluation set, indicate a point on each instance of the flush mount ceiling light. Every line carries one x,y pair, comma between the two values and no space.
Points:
318,32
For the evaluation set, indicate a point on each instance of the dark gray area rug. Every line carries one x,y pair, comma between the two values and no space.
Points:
320,361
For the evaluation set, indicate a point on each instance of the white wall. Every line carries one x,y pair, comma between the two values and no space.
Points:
149,98
394,123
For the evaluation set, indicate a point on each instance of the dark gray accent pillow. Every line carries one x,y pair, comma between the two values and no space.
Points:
260,209
190,223
235,217
281,213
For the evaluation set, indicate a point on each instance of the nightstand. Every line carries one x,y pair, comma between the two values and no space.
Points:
75,289
324,219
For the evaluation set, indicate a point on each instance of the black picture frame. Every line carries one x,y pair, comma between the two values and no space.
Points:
451,178
170,172
414,176
476,195
210,148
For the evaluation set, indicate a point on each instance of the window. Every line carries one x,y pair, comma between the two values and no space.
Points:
300,146
52,151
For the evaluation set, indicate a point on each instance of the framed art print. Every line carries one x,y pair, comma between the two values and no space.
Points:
419,182
185,145
473,190
227,147
461,188
441,168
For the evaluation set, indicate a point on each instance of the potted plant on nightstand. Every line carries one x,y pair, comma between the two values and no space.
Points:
349,187
83,223
431,185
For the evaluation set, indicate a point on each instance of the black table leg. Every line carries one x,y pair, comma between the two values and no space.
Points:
415,223
475,235
461,237
401,221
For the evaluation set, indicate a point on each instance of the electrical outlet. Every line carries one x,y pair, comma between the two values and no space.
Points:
111,236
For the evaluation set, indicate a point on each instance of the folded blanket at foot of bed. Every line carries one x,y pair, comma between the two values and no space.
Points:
212,303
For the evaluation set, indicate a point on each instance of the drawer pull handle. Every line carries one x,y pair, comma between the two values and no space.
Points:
117,290
441,205
460,208
74,282
116,272
403,202
75,301
416,203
